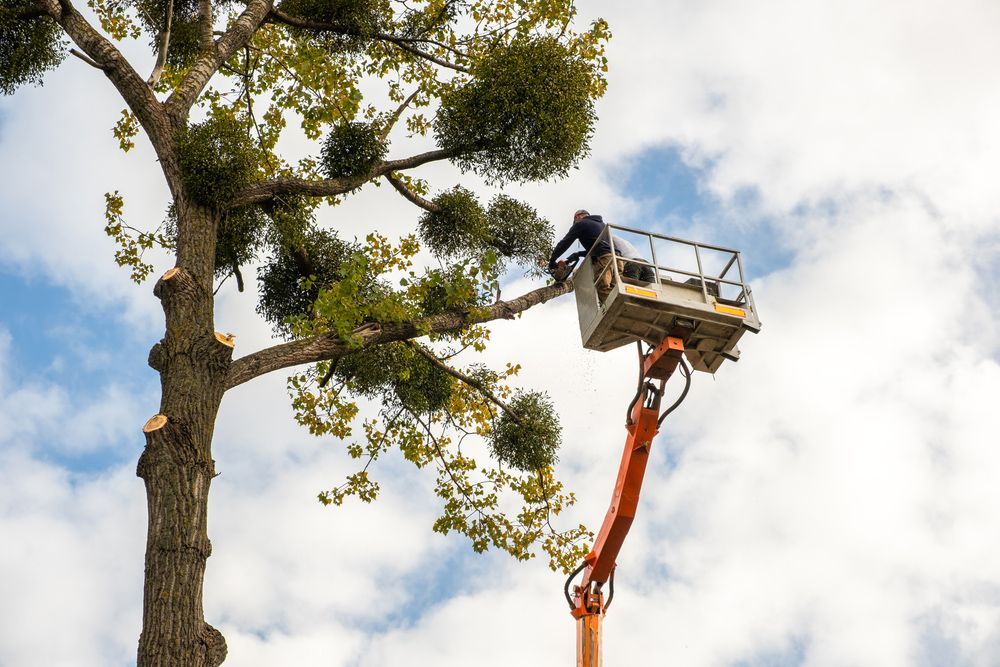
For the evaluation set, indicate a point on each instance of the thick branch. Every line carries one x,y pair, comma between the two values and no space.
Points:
402,43
401,188
208,63
289,185
126,80
330,346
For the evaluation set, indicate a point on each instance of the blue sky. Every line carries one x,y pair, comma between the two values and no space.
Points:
58,339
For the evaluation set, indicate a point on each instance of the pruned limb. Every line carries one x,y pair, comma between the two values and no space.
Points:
154,423
402,189
331,346
164,46
265,191
402,43
227,339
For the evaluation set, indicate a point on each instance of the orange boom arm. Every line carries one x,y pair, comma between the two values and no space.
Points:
598,567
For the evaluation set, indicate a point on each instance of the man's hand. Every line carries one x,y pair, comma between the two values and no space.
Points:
560,270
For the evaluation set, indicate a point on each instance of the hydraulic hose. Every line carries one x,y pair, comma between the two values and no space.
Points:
569,580
686,372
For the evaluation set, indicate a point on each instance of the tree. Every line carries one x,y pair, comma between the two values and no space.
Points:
504,87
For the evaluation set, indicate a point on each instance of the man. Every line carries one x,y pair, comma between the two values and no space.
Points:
587,229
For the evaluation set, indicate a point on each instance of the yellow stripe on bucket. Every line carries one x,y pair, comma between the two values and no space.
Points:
638,291
739,312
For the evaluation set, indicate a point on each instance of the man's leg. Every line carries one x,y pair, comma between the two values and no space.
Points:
602,269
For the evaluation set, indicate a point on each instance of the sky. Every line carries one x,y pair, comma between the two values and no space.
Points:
828,501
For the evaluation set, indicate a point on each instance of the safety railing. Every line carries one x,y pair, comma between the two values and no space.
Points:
705,265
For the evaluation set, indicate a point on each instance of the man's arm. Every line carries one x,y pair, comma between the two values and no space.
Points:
572,235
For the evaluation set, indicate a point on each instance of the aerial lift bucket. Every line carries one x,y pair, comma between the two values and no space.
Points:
695,312
679,284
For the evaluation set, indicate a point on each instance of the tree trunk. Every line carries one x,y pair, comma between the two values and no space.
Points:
177,465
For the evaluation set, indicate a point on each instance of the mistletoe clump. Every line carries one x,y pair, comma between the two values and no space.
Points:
517,232
30,45
399,376
185,31
528,436
354,17
240,238
352,149
526,116
217,160
185,41
457,226
292,279
507,230
461,286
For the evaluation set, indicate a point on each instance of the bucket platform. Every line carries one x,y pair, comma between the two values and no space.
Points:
665,286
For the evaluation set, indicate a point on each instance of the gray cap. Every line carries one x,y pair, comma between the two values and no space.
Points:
582,211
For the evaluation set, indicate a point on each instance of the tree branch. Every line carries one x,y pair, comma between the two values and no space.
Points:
87,59
470,500
330,346
239,34
462,377
394,117
161,56
402,43
133,89
205,20
290,185
404,46
402,189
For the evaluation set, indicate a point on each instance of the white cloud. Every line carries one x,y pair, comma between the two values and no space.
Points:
808,101
71,566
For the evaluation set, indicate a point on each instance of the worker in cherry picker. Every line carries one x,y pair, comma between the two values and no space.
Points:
586,229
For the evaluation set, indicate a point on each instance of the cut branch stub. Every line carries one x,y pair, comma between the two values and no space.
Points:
229,340
155,423
157,359
175,279
187,304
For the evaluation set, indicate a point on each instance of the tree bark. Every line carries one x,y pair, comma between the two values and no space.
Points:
176,464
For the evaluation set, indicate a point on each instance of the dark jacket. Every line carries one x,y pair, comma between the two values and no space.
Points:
585,230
